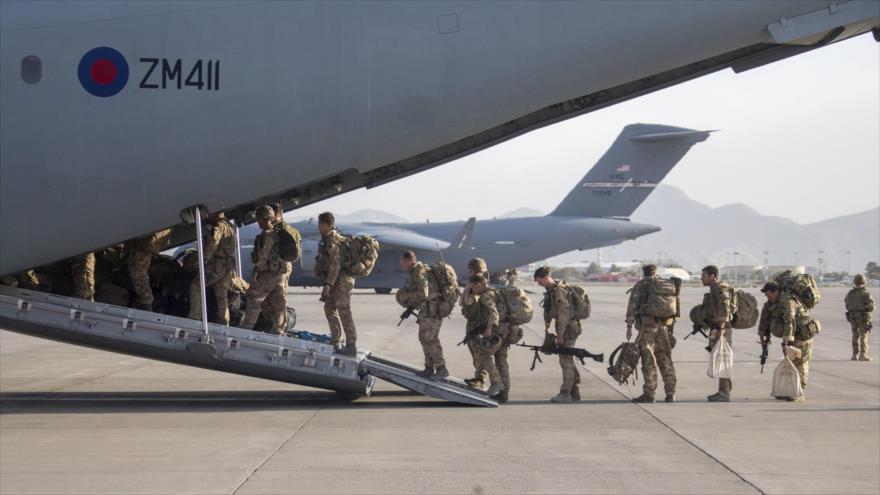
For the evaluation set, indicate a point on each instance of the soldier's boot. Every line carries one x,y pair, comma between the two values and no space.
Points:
441,373
719,397
575,394
562,398
864,357
474,382
349,350
855,357
644,398
494,389
501,397
670,397
795,399
428,372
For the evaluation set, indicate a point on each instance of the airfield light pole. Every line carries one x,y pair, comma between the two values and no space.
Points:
735,269
766,264
847,261
820,260
201,249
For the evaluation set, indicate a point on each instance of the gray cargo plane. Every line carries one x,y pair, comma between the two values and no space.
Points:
117,117
594,214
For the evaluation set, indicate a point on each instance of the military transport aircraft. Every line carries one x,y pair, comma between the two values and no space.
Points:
118,119
594,214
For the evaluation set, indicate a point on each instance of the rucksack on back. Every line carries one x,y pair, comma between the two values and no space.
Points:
580,306
624,362
362,251
747,311
443,286
289,242
517,306
661,300
802,286
858,300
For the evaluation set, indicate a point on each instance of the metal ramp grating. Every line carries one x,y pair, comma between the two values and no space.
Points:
404,375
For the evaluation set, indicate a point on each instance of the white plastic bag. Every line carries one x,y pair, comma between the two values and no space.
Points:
786,380
721,360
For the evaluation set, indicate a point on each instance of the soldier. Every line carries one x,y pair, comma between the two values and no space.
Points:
859,305
476,266
26,280
336,294
557,305
779,317
717,310
82,270
484,327
654,341
219,256
267,292
514,275
139,254
421,295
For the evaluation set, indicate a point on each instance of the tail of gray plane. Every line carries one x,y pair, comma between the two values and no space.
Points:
628,172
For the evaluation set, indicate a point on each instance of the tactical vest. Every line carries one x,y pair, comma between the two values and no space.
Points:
274,263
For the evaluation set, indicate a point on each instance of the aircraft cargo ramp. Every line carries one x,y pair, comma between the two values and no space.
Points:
233,350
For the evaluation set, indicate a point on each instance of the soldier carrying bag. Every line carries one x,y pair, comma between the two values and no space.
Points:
802,286
516,309
624,362
443,288
747,311
580,307
661,300
289,242
360,254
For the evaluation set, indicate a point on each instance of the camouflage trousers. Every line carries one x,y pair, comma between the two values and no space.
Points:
725,385
860,337
26,280
429,337
138,265
656,352
267,295
493,361
479,373
803,363
218,278
337,308
82,270
571,377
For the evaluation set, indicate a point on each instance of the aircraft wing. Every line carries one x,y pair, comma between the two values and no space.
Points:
396,236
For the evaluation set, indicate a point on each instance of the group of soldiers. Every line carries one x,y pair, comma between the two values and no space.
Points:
782,316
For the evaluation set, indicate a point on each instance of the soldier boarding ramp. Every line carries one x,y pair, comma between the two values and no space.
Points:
222,348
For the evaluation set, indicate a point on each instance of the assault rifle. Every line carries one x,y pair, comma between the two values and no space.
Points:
699,329
765,345
577,352
410,310
472,335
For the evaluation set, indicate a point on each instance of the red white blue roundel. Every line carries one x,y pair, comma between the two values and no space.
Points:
103,71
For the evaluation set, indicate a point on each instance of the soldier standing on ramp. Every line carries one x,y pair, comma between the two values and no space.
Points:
82,271
418,294
476,266
139,253
717,311
558,306
652,311
266,293
859,305
336,294
484,326
219,259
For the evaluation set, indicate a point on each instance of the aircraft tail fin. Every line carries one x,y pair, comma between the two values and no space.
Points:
464,235
628,172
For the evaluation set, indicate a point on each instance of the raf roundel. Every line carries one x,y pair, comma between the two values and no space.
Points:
103,71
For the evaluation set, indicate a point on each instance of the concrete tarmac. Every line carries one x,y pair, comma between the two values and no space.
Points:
81,421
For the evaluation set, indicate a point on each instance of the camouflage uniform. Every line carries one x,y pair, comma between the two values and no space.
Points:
418,292
269,283
337,307
478,265
780,320
557,305
654,342
717,310
82,270
26,280
859,306
491,353
219,257
139,255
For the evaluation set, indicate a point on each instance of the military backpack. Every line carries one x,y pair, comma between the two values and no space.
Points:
289,242
517,308
661,299
443,287
747,312
806,327
580,302
801,286
360,254
624,362
859,300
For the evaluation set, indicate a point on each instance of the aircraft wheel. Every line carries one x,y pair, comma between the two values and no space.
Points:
382,290
347,396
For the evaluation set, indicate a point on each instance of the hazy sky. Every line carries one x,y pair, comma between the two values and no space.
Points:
799,138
